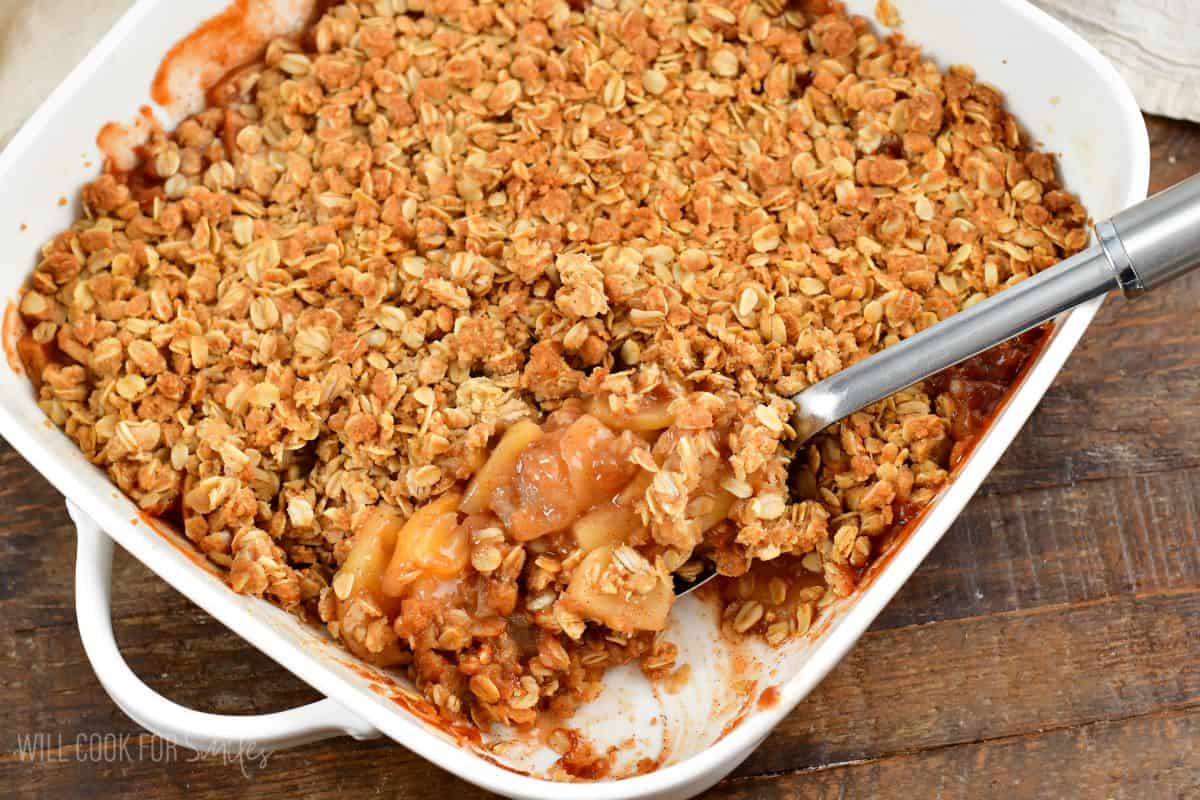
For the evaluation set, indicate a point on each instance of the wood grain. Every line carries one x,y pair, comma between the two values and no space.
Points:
1074,544
929,686
1144,757
1048,647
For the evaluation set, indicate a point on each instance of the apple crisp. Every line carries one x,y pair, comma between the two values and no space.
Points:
465,326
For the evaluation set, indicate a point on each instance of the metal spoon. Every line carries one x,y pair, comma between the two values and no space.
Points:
1139,249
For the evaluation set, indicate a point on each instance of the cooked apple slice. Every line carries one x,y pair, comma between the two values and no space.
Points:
711,509
623,600
606,525
373,549
561,476
431,544
650,414
636,489
500,466
361,579
598,462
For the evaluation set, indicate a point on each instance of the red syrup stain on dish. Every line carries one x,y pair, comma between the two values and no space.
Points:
985,384
582,762
385,686
648,765
24,354
657,686
738,718
741,666
125,147
769,698
119,142
11,333
172,537
122,144
233,38
192,74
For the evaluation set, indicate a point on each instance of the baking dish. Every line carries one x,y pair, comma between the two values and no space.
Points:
1054,83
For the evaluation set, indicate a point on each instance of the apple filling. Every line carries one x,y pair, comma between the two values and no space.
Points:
574,488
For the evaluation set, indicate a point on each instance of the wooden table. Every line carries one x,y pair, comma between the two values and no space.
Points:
1049,647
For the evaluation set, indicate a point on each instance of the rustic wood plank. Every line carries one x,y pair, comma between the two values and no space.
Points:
1174,151
1134,758
910,689
1146,757
144,766
37,554
1095,540
172,644
927,686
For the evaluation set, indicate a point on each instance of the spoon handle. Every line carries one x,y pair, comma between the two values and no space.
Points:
1156,240
1140,248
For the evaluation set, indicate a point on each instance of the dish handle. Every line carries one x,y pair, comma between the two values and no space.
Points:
197,730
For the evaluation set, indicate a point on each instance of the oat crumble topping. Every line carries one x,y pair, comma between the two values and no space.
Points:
621,232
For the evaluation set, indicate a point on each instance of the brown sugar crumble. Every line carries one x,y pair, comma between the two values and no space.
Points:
463,326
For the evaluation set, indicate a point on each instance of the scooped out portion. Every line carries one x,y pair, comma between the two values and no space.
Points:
572,492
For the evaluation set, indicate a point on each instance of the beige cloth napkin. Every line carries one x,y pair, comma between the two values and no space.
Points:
40,42
1154,43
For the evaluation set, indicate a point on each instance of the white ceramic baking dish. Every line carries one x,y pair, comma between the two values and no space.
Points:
1060,88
